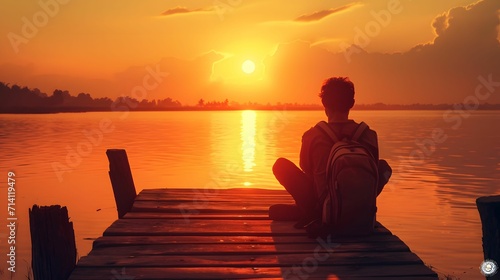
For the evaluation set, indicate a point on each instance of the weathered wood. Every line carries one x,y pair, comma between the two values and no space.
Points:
207,191
113,241
200,197
166,207
222,216
53,247
189,211
321,272
242,249
227,234
255,260
489,211
215,200
121,180
206,227
153,227
262,205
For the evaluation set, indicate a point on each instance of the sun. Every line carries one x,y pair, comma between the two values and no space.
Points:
248,66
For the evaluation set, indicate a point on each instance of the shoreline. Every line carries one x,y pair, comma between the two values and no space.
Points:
198,109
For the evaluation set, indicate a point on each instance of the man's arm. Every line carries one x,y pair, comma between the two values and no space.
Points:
305,157
384,169
370,141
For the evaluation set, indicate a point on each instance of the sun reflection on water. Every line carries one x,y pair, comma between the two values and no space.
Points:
248,121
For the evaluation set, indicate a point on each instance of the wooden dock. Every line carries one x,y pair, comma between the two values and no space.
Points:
226,234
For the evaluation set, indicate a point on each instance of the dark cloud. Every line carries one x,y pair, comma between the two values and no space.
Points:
182,10
319,15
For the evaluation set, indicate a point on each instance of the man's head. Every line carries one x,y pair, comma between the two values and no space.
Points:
337,94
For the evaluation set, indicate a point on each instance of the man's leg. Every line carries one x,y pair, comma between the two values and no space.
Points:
296,183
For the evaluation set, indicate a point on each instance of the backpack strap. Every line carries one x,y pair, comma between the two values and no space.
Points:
323,126
359,131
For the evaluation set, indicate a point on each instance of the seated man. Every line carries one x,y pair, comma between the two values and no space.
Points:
337,96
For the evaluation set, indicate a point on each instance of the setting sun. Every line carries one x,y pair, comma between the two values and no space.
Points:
248,67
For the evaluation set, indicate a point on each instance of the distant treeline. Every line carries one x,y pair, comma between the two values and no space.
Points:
16,99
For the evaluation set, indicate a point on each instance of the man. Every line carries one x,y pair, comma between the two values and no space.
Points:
306,185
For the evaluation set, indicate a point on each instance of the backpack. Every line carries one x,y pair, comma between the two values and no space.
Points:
348,201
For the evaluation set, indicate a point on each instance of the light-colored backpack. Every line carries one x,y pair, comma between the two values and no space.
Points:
349,198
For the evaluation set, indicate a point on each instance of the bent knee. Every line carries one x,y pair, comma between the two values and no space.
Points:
278,163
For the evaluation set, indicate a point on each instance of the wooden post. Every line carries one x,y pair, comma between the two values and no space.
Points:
121,180
53,247
489,211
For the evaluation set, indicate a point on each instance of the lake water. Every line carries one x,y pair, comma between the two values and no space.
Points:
442,162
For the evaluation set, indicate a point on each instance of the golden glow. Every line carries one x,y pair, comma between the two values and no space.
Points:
248,66
248,124
217,60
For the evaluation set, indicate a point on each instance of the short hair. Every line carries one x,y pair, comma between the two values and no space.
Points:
337,94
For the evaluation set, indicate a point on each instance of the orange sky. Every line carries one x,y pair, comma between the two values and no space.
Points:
407,51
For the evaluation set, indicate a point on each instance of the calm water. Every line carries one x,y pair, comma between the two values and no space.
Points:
440,167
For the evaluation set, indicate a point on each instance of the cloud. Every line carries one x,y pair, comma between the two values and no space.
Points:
182,10
319,15
440,24
446,70
469,26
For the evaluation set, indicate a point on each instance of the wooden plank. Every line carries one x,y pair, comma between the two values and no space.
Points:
321,272
191,211
227,248
224,197
194,195
214,197
108,241
166,206
178,215
200,227
213,191
206,227
334,277
217,195
255,260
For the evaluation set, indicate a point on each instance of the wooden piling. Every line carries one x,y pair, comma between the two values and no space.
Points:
53,246
121,180
489,211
